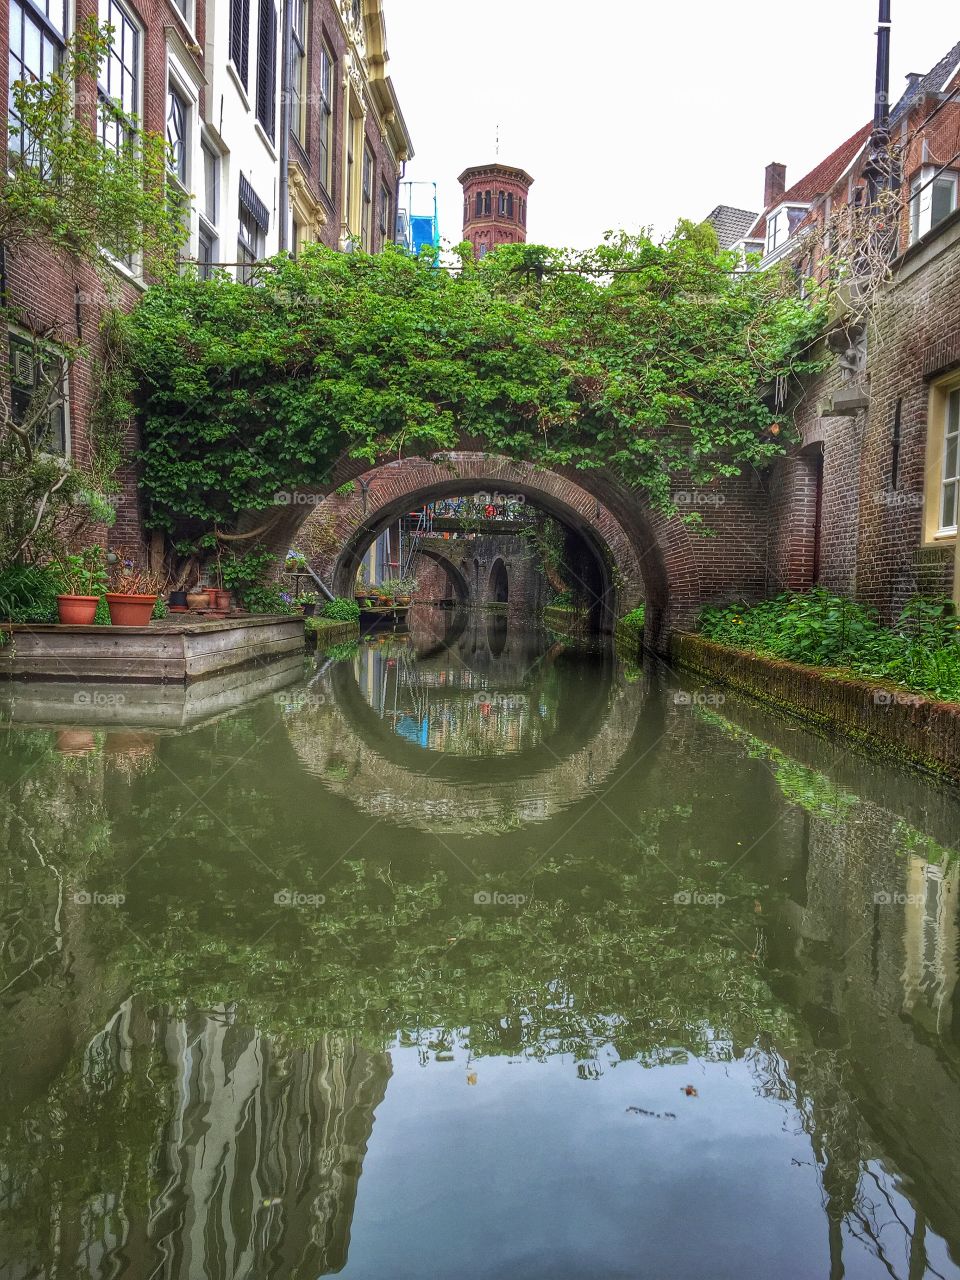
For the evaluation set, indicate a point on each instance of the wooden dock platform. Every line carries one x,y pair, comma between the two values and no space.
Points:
172,650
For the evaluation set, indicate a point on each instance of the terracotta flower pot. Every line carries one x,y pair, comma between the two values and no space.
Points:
223,600
77,611
198,599
130,611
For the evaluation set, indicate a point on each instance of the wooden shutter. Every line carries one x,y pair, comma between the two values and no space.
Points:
240,37
267,66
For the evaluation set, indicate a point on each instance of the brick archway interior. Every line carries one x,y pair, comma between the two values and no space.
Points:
643,557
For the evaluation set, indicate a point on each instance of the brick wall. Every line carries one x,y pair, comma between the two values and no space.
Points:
871,526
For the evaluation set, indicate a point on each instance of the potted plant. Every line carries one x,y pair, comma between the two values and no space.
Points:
296,562
308,600
198,598
134,592
84,575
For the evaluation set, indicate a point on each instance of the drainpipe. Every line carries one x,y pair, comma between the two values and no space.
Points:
286,45
877,167
956,573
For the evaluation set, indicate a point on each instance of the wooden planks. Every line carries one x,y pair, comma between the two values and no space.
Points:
155,654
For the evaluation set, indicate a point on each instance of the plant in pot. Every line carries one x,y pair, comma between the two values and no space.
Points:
84,575
308,600
133,592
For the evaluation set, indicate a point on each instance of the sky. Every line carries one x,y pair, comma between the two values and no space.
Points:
633,112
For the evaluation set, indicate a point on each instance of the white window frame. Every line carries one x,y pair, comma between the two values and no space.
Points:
209,226
951,432
921,199
181,80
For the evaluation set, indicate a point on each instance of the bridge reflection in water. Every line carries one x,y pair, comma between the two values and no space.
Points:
303,1045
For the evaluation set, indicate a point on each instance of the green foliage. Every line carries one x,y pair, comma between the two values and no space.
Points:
345,490
921,651
65,187
160,609
648,358
634,619
84,573
267,598
29,593
342,610
807,788
307,597
244,575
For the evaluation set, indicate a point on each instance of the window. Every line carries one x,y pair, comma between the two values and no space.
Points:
208,250
298,93
249,245
487,201
267,67
177,115
252,233
211,184
933,197
39,372
36,43
479,204
950,483
351,195
510,205
206,254
366,229
384,220
118,80
325,121
240,38
501,202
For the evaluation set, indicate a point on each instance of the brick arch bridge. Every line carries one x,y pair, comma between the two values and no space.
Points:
640,554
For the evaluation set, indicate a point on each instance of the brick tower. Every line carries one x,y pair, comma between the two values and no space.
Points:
494,206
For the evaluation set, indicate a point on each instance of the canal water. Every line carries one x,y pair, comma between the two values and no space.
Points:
470,953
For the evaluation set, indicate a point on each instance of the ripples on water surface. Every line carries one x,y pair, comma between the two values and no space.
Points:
470,954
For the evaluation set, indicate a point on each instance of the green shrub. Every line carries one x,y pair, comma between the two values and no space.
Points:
342,610
634,619
28,593
921,651
267,598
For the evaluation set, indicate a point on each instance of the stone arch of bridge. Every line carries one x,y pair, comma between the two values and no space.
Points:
641,555
455,573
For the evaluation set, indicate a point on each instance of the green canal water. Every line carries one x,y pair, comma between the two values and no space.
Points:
470,954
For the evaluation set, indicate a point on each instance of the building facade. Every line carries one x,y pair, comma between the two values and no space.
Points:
867,500
283,126
495,199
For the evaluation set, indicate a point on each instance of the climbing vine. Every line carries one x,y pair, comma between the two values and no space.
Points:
652,359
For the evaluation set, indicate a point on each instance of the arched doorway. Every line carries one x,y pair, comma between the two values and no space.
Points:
498,587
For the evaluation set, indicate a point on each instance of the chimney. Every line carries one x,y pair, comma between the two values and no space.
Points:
775,184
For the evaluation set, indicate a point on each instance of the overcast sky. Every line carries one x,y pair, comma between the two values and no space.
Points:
635,112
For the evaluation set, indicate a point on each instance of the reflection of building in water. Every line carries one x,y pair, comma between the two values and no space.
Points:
257,1167
877,940
445,706
930,942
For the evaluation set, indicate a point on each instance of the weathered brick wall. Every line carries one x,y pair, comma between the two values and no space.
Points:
871,527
